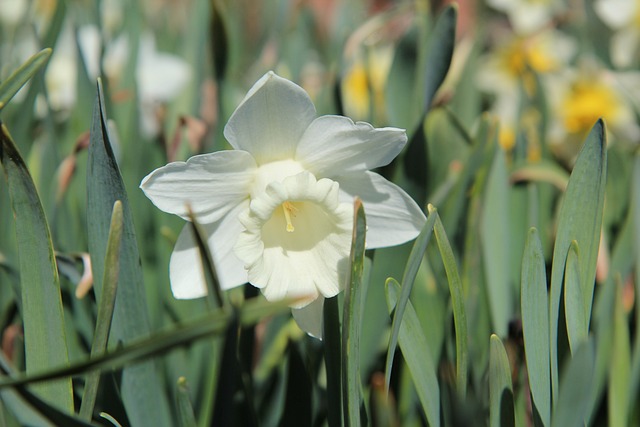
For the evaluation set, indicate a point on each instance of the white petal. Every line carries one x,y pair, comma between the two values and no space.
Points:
616,13
335,145
271,119
309,318
159,76
393,217
212,184
185,267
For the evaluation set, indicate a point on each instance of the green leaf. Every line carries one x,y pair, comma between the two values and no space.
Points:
620,366
574,304
440,51
580,219
142,349
105,310
575,388
416,352
457,301
186,417
211,278
42,315
144,405
22,75
408,278
534,306
634,382
542,171
501,411
332,357
495,232
351,398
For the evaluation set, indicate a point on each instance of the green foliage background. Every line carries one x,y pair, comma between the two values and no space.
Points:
514,306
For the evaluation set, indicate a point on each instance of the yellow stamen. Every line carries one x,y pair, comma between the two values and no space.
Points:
289,211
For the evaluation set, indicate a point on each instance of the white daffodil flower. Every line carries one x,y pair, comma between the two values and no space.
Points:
623,17
278,208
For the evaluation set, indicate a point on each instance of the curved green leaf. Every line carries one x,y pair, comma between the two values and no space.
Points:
144,405
351,398
408,278
22,75
580,219
417,354
42,315
501,411
574,304
534,307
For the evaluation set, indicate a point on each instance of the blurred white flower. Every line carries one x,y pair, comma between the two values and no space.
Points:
622,16
527,16
159,76
278,207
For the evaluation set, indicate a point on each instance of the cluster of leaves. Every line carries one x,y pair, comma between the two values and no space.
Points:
518,311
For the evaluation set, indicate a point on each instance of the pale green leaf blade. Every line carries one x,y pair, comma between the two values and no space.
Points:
620,366
408,278
495,232
535,326
457,301
580,219
147,405
351,395
575,388
105,310
577,327
22,75
42,313
501,411
186,416
416,352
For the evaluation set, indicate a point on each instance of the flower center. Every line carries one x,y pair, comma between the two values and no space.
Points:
306,259
585,103
289,211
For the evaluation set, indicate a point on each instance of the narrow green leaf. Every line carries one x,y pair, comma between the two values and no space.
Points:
351,398
542,171
332,357
575,388
574,306
144,405
534,305
620,366
105,310
416,352
22,75
634,382
211,278
439,53
42,315
495,232
186,417
408,278
457,301
142,349
580,219
501,411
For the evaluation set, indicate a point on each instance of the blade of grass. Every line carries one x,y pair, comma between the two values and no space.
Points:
147,405
351,398
105,310
495,239
22,75
457,301
501,412
141,349
577,327
42,313
332,357
580,219
408,278
417,354
534,306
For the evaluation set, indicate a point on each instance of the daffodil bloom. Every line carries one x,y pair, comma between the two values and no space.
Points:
278,207
623,17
